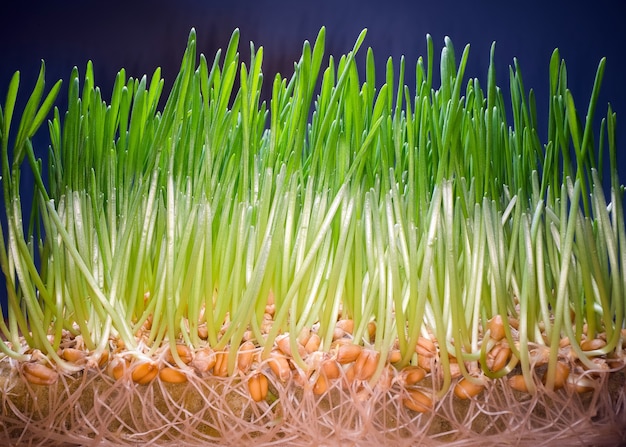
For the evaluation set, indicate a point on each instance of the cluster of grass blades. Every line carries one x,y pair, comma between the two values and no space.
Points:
346,265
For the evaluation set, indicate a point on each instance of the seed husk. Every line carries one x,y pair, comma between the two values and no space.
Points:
258,386
172,375
580,384
385,381
203,360
417,401
39,374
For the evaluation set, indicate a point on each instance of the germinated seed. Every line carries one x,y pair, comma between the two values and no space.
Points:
203,360
365,364
466,389
313,343
279,365
417,401
144,372
593,344
172,375
258,387
410,375
244,360
348,353
39,374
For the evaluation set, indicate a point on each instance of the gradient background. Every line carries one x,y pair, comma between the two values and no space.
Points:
142,35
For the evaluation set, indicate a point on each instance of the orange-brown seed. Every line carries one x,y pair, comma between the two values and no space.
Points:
321,385
371,330
513,322
347,325
172,375
304,335
258,387
39,374
313,343
425,347
183,352
349,376
425,361
103,358
203,332
338,333
394,356
279,366
244,361
466,389
330,369
518,383
348,353
365,364
284,345
412,374
117,367
417,401
221,364
560,376
592,344
144,372
73,355
498,357
496,327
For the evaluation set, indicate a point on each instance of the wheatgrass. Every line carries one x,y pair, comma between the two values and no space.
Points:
349,264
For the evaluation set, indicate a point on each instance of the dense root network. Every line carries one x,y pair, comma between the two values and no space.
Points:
93,408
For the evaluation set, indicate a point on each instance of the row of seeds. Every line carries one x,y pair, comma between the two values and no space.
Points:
351,363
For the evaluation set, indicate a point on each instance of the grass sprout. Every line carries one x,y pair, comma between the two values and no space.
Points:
231,269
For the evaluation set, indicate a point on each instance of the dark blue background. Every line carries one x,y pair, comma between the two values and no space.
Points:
142,35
